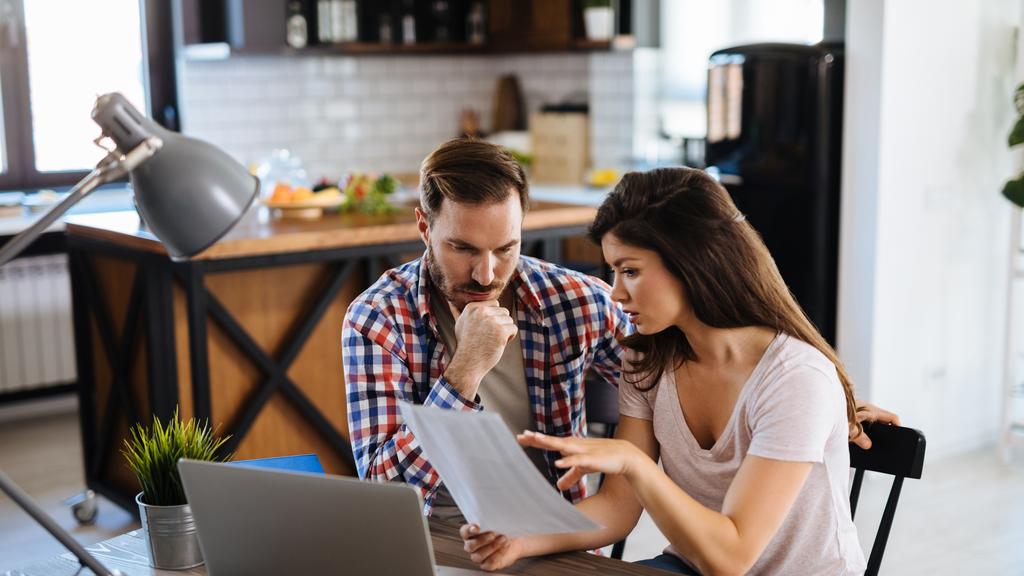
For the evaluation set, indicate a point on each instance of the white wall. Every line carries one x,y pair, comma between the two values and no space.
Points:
924,229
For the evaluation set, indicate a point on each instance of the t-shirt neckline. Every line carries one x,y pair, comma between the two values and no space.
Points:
669,382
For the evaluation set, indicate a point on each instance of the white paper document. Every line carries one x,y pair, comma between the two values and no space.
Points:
488,475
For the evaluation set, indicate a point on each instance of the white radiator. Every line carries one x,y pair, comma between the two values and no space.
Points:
37,347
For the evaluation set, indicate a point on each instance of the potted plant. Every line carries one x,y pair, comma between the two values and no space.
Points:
598,18
1013,190
152,453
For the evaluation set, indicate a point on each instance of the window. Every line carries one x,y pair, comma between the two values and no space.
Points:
693,29
107,56
57,56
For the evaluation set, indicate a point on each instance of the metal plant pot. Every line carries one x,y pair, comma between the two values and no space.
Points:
171,539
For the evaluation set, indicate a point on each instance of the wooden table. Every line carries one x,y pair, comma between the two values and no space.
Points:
245,335
127,553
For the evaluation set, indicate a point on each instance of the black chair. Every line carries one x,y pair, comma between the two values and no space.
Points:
602,402
896,451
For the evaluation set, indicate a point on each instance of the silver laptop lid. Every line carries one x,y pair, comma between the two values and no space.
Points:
255,521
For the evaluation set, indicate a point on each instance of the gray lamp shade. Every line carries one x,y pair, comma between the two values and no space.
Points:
190,193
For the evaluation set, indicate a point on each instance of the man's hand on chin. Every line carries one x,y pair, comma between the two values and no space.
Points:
482,330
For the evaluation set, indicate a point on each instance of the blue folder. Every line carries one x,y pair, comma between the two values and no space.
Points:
299,463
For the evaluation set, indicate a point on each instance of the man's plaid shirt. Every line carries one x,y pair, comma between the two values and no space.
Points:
392,351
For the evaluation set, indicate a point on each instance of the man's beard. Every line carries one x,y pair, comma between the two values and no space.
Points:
456,294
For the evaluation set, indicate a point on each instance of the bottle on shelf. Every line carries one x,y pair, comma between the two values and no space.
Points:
440,12
323,20
344,17
386,30
476,27
408,22
297,24
349,21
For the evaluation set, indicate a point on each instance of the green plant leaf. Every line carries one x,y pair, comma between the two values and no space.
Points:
1017,134
152,454
1013,190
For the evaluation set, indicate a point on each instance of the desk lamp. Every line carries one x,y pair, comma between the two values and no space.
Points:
189,193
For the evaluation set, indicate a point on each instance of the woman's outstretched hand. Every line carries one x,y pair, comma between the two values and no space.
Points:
492,551
587,455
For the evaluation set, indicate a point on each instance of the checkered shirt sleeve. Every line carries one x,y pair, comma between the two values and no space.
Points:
377,375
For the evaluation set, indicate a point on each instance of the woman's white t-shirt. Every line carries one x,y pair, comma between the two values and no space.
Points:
791,408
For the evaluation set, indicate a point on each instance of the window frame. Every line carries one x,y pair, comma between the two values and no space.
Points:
161,90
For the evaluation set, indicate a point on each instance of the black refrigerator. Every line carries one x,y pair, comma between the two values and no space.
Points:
775,114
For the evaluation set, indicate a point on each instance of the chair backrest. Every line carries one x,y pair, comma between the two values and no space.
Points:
298,463
602,401
896,451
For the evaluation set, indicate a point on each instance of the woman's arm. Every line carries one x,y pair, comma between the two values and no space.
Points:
614,506
727,542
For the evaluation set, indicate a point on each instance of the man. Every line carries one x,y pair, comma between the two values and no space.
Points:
473,325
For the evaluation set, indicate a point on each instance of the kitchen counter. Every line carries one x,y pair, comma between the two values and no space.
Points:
119,199
102,200
259,234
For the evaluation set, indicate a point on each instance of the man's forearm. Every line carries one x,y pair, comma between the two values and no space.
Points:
463,376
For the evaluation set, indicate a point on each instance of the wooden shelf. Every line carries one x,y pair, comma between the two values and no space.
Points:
222,51
367,48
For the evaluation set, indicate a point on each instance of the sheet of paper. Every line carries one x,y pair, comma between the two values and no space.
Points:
489,475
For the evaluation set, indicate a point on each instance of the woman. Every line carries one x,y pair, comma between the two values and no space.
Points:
727,382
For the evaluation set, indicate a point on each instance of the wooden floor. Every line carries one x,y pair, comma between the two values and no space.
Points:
965,517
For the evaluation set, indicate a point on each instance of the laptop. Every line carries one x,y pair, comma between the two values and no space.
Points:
259,521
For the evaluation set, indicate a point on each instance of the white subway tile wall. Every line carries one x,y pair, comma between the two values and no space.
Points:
377,113
611,109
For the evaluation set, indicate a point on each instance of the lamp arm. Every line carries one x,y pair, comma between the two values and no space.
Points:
112,167
22,500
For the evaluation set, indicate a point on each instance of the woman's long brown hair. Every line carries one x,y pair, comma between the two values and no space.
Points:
729,278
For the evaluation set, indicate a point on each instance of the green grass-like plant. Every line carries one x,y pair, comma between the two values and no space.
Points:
152,453
1013,190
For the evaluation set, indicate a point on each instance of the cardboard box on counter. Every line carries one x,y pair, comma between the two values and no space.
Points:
560,144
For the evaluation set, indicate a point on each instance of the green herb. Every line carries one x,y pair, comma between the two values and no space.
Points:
369,194
387,184
1013,190
153,452
525,160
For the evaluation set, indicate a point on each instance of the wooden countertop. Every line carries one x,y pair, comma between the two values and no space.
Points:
260,234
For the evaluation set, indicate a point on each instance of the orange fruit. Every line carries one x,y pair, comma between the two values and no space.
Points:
282,193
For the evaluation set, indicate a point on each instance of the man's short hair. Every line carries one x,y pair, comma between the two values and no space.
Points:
470,171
